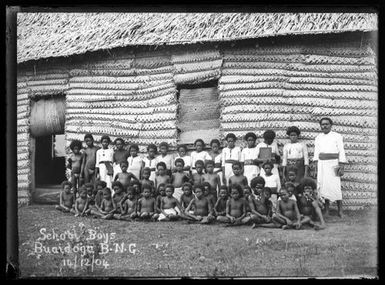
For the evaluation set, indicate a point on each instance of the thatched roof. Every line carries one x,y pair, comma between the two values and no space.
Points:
44,35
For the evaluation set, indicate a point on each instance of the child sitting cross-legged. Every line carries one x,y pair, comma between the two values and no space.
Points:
236,207
66,202
207,192
261,209
100,185
169,206
220,205
146,206
107,207
201,206
117,198
287,215
81,203
128,207
309,205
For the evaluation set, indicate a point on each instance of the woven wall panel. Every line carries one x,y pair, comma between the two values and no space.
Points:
189,137
196,67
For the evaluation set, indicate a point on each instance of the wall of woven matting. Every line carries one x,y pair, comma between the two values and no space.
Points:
133,95
274,87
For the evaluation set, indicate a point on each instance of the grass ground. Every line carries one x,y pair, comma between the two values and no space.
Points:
347,248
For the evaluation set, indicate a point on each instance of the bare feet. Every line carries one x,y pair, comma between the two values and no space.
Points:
319,227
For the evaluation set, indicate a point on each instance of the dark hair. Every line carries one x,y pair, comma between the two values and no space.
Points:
182,146
188,184
266,189
257,180
107,190
88,136
224,187
133,146
163,144
66,182
269,134
152,146
215,141
247,187
293,129
119,139
289,184
268,163
238,188
161,164
124,162
101,183
236,163
135,182
146,169
230,135
161,184
292,168
88,185
200,186
117,183
146,186
76,143
105,137
210,161
204,184
170,186
199,140
179,160
199,162
130,189
250,134
326,118
82,189
307,181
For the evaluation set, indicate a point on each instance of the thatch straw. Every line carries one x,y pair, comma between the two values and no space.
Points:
65,34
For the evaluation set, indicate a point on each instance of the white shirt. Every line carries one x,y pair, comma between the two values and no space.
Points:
168,160
195,156
104,155
272,181
249,153
233,153
296,150
273,146
331,142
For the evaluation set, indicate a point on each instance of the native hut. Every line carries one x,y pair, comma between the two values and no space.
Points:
176,77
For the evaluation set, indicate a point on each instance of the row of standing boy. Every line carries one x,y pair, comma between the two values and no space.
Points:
239,166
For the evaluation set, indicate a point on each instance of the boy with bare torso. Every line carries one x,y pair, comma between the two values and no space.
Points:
66,201
220,205
162,176
75,164
89,160
169,206
212,178
202,207
124,177
81,203
129,206
107,207
178,177
197,178
236,207
287,215
146,207
238,177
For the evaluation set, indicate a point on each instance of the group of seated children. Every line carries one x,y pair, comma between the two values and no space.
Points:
236,204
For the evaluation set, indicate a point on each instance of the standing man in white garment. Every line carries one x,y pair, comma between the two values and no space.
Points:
330,156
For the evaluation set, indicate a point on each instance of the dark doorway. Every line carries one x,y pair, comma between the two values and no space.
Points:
49,160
